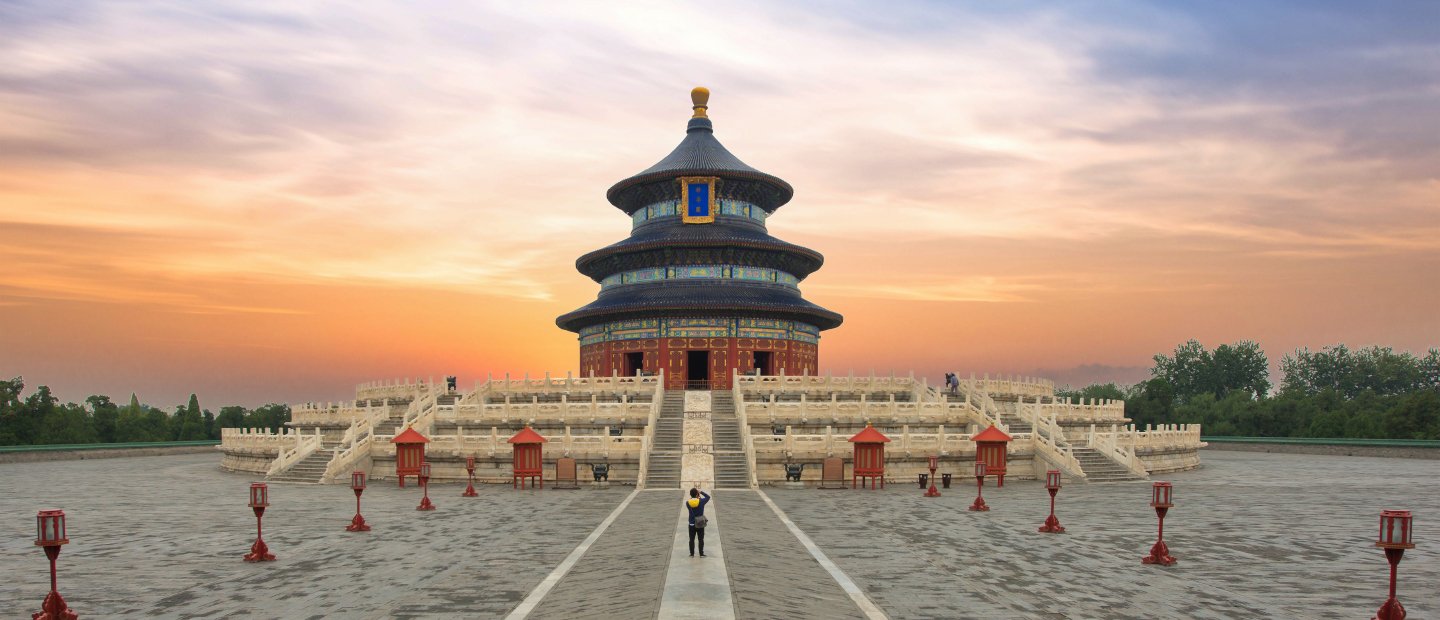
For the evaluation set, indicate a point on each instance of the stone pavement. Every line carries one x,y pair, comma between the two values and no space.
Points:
697,587
1257,535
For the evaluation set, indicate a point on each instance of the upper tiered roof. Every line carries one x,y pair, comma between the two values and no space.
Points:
700,154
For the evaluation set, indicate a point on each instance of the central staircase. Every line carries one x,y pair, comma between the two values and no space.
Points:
663,471
732,471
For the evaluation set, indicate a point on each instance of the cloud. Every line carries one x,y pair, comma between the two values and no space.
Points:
1155,158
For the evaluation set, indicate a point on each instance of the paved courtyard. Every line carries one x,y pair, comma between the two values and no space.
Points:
1257,535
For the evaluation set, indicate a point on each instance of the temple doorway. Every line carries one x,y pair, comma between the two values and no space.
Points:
634,364
763,363
697,370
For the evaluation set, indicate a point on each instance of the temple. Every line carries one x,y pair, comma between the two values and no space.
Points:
699,289
699,366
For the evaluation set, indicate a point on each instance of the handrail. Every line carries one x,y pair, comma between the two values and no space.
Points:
743,419
362,434
1109,444
657,400
304,445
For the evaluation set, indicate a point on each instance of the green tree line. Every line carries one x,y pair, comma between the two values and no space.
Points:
40,419
1336,392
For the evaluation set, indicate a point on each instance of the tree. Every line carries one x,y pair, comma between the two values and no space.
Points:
10,411
188,422
230,417
271,416
105,415
1243,367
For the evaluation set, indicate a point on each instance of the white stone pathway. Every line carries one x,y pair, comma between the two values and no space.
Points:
697,587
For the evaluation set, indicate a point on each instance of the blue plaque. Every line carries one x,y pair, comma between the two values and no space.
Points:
698,194
699,203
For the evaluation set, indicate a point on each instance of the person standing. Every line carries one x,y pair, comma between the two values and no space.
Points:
698,521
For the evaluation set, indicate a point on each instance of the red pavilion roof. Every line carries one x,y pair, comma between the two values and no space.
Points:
991,434
527,435
409,436
870,435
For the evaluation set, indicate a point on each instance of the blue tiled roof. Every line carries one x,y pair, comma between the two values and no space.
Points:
729,297
700,154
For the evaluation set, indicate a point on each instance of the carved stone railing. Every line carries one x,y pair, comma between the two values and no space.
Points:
558,413
393,389
1050,439
848,383
1118,444
1087,410
494,445
657,400
576,387
904,444
257,438
1012,385
983,407
303,446
353,449
742,418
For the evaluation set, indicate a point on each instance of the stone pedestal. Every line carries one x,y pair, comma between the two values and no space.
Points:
791,484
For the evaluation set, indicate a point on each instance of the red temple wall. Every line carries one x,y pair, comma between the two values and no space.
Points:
726,354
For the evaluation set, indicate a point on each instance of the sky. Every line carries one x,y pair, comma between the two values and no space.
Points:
274,201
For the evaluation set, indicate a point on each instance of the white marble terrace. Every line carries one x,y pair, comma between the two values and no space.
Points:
783,419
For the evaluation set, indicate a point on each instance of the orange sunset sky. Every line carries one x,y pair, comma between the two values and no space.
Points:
274,201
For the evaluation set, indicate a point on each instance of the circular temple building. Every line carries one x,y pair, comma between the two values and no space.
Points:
699,288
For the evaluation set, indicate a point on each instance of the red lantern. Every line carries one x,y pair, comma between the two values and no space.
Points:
259,501
357,484
1160,495
50,534
1052,484
425,484
50,528
470,472
1394,538
934,464
979,505
1160,500
259,496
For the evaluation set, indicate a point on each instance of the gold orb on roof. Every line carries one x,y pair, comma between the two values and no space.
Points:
700,96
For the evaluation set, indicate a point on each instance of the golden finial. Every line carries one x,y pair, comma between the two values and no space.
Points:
700,96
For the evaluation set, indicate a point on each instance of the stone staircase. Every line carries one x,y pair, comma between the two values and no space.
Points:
1097,466
666,443
732,471
1101,468
309,470
1010,414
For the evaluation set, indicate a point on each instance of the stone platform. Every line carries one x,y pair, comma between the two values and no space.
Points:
1257,535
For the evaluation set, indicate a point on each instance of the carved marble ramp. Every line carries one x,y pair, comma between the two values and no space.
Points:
623,572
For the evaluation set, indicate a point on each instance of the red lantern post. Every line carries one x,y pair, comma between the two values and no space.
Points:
934,464
50,534
259,501
1395,530
357,484
1160,501
470,471
1052,484
979,505
425,484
